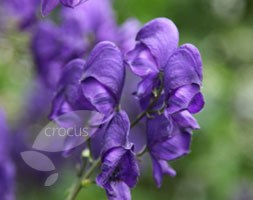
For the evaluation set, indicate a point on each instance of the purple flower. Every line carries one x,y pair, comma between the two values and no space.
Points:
49,5
119,171
94,85
95,20
52,49
156,41
6,166
183,79
166,141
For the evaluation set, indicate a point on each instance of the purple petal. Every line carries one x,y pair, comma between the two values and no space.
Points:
185,120
182,98
105,64
146,86
161,167
183,68
119,190
129,169
98,96
118,164
174,147
141,62
110,161
48,6
117,131
72,72
161,37
197,103
166,140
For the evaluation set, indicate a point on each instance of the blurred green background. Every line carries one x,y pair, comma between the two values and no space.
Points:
220,165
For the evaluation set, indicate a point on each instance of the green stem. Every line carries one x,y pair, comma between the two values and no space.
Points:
150,106
78,186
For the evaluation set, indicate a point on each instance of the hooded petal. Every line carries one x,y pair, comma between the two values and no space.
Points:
117,131
183,68
141,62
161,37
48,6
105,64
161,167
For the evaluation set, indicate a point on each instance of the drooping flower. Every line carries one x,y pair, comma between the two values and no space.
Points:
93,85
49,5
119,171
166,141
156,41
7,170
183,80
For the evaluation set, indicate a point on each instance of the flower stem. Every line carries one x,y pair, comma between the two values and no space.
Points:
150,106
78,186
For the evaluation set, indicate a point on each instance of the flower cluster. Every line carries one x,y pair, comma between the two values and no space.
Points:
81,63
169,94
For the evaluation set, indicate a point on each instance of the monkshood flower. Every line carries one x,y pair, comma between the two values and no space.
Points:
49,5
95,20
52,49
183,79
119,170
92,85
156,42
7,170
167,140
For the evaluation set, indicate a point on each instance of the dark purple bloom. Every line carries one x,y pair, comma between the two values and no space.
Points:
49,5
120,170
52,49
94,85
166,141
183,79
95,20
156,41
7,170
